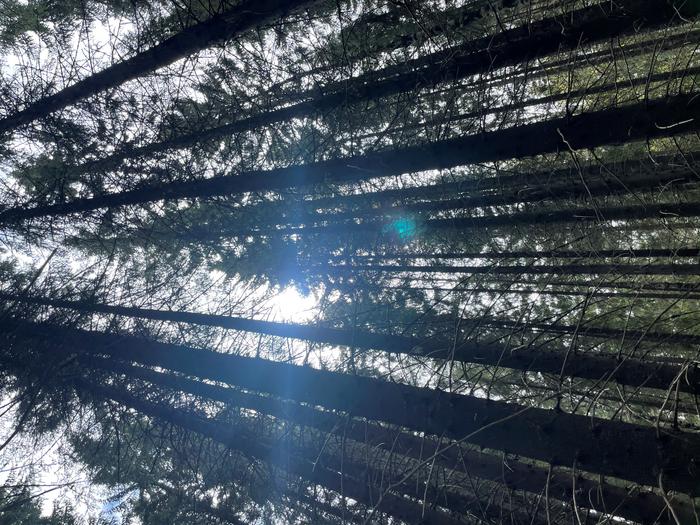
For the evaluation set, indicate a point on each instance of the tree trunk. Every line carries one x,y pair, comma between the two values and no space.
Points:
508,218
531,291
514,46
682,288
658,118
524,269
624,370
614,448
298,465
600,180
616,175
235,21
585,330
671,253
574,95
507,471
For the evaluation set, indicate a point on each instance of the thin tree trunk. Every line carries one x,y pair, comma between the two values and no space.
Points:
550,67
683,288
524,269
574,96
617,176
532,291
634,212
671,253
586,330
569,188
506,219
604,179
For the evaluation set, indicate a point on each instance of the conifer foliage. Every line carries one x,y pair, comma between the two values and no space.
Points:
350,261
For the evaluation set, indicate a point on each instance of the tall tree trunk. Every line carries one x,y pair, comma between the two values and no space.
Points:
680,287
615,89
228,24
658,118
524,269
396,202
616,175
549,67
529,291
587,330
572,215
606,179
297,464
614,448
514,46
671,253
567,190
623,369
507,471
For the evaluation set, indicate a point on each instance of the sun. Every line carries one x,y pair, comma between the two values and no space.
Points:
292,306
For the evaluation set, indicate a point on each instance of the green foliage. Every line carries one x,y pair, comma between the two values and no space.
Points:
18,506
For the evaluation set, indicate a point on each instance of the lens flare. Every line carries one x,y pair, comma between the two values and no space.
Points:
403,227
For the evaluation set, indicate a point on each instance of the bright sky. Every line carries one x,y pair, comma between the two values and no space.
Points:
291,306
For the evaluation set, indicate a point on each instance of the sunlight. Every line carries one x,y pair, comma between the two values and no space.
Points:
369,261
292,306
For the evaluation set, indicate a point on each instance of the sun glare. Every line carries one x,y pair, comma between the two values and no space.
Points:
292,306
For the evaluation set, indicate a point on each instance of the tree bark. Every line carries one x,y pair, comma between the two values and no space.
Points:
614,448
658,118
506,471
226,25
623,369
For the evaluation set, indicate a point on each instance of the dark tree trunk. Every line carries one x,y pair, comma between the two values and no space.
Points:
671,253
514,46
516,475
614,448
574,215
657,118
573,96
244,16
524,269
617,176
623,369
570,189
528,291
585,330
600,180
682,288
288,458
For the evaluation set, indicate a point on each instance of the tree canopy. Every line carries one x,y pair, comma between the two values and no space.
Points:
425,262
